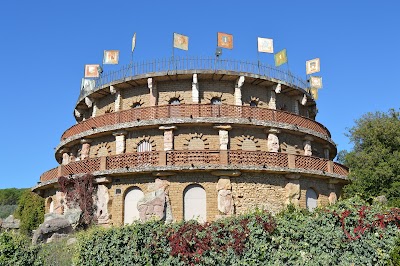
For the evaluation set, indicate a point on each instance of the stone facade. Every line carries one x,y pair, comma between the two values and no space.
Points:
196,128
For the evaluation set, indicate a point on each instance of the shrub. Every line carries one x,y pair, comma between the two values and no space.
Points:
30,211
58,253
15,250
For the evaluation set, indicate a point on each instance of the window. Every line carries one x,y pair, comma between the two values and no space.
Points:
131,212
216,101
253,104
144,146
194,203
311,199
174,101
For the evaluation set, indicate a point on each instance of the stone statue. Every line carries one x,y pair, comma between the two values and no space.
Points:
273,143
292,193
307,148
102,199
332,198
225,200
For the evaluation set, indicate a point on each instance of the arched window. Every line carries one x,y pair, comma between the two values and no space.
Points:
196,144
131,212
311,199
216,101
174,101
249,145
194,203
51,205
144,146
253,104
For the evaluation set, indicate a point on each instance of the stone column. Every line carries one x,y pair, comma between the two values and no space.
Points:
117,100
85,148
272,100
296,107
168,137
273,140
120,145
94,110
238,90
332,196
88,102
65,156
307,146
153,95
223,136
224,189
292,190
195,89
326,152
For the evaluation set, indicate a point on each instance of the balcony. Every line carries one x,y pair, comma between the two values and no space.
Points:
192,111
197,160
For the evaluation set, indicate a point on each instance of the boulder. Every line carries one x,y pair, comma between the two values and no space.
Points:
380,200
50,227
10,223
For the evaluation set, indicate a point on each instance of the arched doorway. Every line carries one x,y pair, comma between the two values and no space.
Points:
195,203
132,196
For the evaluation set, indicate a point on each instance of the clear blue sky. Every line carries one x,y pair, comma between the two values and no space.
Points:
45,45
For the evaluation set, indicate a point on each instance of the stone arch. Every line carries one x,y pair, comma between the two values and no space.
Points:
131,198
50,205
195,203
311,199
215,95
104,149
146,144
248,143
197,141
166,99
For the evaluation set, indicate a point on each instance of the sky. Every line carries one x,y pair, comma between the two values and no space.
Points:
45,45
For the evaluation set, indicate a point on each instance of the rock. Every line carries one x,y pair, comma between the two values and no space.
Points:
56,237
292,193
50,227
73,216
71,241
10,223
152,206
380,199
225,201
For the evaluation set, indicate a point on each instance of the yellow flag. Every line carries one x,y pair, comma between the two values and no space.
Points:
181,41
313,66
314,93
280,58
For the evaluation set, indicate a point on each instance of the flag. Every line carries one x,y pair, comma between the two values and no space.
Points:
181,41
133,42
316,82
312,66
92,71
111,57
280,58
265,45
225,40
87,85
314,93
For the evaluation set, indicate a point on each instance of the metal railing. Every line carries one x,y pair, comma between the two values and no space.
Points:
195,63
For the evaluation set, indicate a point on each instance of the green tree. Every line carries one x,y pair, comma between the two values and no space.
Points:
374,161
30,211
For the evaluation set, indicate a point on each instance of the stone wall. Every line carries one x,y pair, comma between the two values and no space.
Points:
134,95
259,94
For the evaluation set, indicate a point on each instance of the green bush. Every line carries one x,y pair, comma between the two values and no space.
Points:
15,250
7,210
58,253
395,254
30,211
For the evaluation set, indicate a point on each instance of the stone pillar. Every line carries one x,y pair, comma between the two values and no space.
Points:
78,113
168,137
296,107
224,189
272,100
326,152
332,196
223,136
292,190
307,146
65,156
238,90
120,145
153,95
304,100
195,89
94,110
85,148
117,100
273,140
88,102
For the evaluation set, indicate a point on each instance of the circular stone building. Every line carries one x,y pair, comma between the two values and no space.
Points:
196,138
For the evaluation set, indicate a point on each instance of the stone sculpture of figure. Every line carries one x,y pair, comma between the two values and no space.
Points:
225,201
292,193
156,203
273,143
332,198
102,204
307,148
